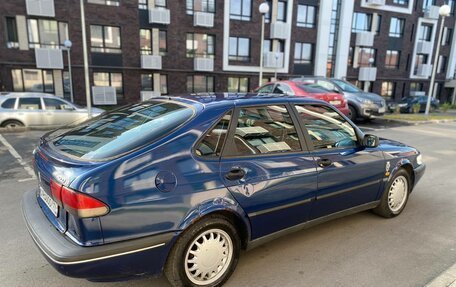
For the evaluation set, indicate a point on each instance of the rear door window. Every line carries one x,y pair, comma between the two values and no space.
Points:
264,130
30,104
283,89
122,130
9,104
212,143
56,104
326,128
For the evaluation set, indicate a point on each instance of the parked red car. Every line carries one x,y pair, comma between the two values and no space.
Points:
309,90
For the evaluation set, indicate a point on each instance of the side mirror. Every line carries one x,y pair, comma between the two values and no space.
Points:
370,141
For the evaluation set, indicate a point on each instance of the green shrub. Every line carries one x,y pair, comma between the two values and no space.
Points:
416,108
445,107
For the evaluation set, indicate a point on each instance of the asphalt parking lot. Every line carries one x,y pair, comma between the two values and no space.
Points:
359,250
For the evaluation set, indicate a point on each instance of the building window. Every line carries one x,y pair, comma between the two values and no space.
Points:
200,6
452,5
200,45
267,46
427,4
306,16
388,89
441,67
238,85
421,59
447,36
11,33
396,27
416,87
33,80
142,4
350,57
425,33
46,33
303,53
104,79
105,2
239,49
105,39
392,59
241,10
401,2
366,57
145,42
362,22
282,11
147,83
160,3
200,84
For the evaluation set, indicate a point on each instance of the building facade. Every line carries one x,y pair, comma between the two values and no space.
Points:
142,48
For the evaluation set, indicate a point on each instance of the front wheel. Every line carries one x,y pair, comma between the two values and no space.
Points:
395,196
352,113
12,124
205,255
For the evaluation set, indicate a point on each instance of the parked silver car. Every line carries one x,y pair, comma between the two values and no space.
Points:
40,110
362,105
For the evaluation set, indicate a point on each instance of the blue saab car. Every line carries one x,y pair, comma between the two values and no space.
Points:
181,185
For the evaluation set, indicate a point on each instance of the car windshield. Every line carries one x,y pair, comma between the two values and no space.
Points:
312,88
122,130
347,87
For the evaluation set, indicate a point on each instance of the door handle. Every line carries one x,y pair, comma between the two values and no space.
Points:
235,173
324,162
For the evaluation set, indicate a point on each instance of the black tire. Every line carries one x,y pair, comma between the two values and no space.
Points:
175,265
352,113
12,124
384,209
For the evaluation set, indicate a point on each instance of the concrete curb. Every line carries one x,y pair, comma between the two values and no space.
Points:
445,279
415,123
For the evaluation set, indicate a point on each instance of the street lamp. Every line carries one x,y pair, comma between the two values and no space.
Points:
444,11
86,60
277,56
264,9
68,46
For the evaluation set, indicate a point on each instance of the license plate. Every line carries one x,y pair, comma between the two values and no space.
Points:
381,110
335,103
49,202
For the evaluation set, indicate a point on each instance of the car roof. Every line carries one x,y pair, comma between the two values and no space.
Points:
241,99
28,94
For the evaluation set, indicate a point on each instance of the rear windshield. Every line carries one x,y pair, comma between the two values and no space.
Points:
312,88
122,130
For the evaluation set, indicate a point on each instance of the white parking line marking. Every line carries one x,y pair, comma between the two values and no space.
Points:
25,179
18,157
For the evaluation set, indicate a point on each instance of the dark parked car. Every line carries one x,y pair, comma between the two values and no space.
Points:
406,104
181,185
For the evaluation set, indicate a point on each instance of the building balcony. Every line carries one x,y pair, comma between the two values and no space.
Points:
104,95
423,47
153,62
47,58
424,70
203,19
279,30
43,8
450,83
273,60
365,39
159,16
432,12
367,74
375,2
204,64
146,95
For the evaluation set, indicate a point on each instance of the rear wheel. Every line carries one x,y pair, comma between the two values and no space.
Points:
352,113
12,124
395,196
205,255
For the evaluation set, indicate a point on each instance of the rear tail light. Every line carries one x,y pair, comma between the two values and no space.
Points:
76,202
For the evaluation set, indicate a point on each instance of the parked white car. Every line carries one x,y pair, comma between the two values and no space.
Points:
40,110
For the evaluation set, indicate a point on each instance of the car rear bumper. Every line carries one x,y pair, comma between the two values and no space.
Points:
143,256
419,172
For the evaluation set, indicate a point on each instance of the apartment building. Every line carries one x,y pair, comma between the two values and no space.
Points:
142,48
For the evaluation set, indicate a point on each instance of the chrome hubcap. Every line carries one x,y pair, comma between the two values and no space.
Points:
208,257
397,194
